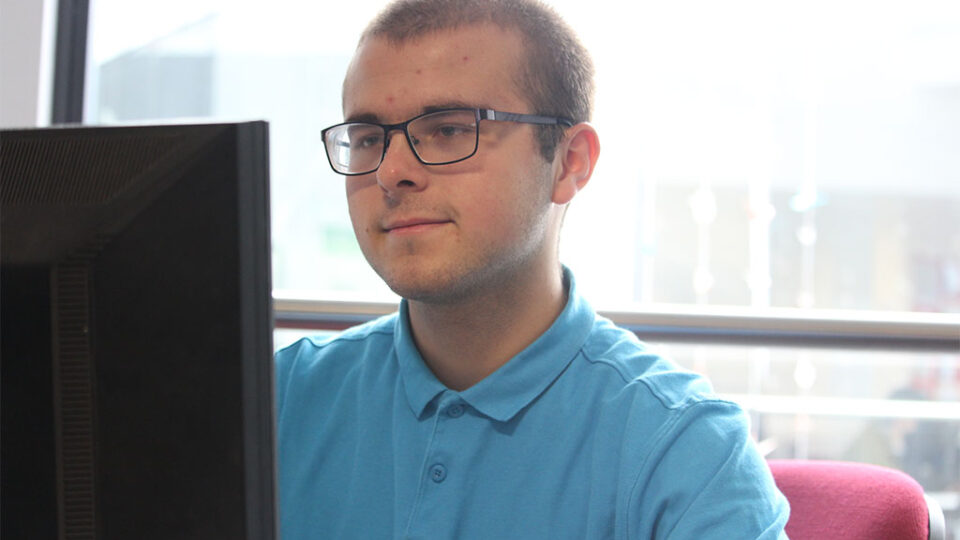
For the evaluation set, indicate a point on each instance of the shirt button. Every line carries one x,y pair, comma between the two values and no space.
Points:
438,473
455,411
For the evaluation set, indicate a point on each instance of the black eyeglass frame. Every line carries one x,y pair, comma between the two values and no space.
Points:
479,114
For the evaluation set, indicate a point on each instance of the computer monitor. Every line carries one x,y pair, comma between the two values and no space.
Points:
136,332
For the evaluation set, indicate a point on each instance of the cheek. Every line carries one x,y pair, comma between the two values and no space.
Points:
500,213
359,209
359,187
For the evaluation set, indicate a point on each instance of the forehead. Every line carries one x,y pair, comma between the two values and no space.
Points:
475,65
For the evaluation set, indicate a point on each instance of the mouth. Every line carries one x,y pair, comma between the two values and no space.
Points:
413,225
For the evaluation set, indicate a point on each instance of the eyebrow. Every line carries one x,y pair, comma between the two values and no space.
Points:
373,118
363,117
449,105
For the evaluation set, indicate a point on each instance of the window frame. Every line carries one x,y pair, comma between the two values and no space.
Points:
70,61
922,332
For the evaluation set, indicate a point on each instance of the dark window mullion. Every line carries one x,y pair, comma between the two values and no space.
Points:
70,62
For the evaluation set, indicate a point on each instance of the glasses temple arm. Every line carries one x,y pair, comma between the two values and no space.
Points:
490,114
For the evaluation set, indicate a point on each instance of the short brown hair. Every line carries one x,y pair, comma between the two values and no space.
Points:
558,76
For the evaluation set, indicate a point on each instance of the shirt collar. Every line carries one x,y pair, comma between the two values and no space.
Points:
505,392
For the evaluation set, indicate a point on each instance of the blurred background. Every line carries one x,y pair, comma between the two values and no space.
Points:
794,160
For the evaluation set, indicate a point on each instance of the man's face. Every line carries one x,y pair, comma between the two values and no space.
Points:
442,233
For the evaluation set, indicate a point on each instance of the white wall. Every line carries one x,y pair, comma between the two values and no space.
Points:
27,41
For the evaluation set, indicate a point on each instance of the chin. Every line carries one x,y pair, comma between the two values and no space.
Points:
422,290
424,285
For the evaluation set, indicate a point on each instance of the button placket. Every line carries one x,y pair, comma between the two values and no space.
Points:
438,473
455,411
436,480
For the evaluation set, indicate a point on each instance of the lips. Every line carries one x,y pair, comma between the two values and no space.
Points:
413,224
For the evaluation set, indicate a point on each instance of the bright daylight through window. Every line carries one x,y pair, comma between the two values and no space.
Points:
793,156
799,156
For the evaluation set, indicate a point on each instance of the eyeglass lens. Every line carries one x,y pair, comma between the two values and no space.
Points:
436,138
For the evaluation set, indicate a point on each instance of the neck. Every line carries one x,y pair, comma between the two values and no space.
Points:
466,341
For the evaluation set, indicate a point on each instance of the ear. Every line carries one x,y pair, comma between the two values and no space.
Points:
576,157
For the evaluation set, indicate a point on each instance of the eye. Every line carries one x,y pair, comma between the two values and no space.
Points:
368,141
452,130
362,136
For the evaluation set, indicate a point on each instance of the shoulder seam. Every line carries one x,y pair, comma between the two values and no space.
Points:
606,362
352,336
688,401
697,398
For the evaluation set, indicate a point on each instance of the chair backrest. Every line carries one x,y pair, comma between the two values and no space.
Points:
854,501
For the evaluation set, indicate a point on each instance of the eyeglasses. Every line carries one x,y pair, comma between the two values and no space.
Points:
436,138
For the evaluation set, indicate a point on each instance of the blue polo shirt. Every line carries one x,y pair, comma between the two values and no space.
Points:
585,434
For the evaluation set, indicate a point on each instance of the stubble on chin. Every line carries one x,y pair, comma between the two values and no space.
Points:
454,282
434,286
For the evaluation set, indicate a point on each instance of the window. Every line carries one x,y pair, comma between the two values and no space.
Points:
792,156
788,156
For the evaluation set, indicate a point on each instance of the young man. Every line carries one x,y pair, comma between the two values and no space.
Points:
495,403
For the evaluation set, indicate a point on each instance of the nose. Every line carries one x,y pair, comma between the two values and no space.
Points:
400,169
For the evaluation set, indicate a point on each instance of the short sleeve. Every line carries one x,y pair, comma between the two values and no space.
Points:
705,479
283,363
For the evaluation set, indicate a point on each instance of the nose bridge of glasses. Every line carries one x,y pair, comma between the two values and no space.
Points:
388,129
403,132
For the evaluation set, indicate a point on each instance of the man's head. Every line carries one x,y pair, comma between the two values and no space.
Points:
442,233
556,73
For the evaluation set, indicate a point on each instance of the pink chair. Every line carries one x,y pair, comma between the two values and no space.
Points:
854,501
